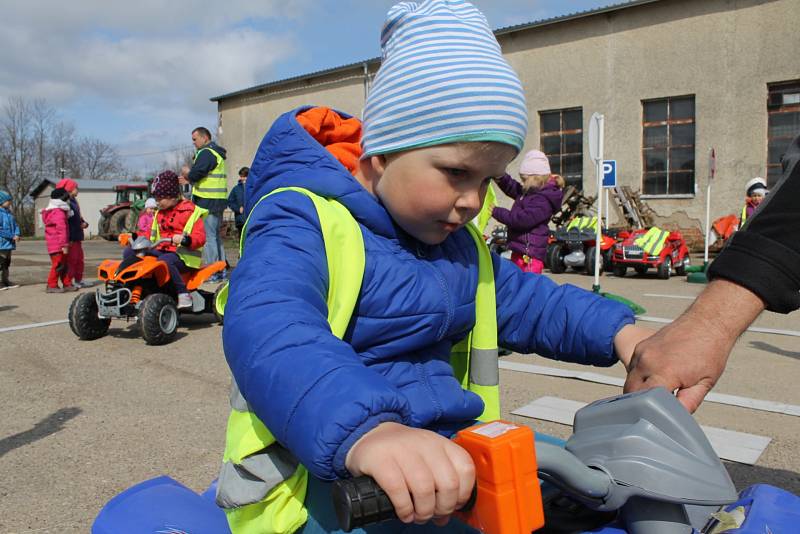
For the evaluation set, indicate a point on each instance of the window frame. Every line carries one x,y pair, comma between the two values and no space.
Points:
669,123
774,89
562,133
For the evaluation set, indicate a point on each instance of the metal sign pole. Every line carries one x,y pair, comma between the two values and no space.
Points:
598,121
712,171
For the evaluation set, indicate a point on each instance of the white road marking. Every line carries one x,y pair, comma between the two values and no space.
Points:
719,398
32,325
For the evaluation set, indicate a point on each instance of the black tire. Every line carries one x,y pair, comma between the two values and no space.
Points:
158,319
665,269
555,260
680,270
117,223
591,252
83,319
620,270
641,269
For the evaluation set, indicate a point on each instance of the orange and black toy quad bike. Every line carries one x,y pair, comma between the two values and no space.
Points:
139,288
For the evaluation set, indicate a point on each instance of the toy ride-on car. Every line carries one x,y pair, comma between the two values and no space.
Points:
574,246
140,288
642,249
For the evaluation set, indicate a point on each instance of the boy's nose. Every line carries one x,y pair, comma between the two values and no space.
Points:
470,200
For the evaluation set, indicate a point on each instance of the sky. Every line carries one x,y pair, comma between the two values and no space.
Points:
139,75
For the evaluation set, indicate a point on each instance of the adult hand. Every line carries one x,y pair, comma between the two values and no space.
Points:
185,171
425,475
182,180
689,355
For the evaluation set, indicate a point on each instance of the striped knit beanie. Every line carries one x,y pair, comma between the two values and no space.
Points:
443,79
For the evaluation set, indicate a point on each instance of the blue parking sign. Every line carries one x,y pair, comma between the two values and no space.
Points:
610,173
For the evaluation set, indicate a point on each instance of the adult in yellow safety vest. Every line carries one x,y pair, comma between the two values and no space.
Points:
209,182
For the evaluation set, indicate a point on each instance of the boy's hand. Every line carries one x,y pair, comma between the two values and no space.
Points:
425,475
16,239
177,239
627,339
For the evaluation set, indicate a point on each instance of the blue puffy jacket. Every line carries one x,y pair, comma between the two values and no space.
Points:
318,394
8,229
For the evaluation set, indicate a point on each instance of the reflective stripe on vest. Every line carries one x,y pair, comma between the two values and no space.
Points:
193,258
744,216
215,183
261,485
653,241
583,223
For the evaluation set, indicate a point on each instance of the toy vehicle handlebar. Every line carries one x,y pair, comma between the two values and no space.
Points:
360,502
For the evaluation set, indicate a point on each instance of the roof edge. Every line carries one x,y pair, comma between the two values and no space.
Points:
498,32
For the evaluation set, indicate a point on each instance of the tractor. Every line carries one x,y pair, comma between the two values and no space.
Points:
122,215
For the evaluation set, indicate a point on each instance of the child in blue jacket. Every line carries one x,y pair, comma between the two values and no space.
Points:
446,114
9,235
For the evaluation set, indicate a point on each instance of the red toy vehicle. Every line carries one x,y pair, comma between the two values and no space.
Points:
574,246
642,249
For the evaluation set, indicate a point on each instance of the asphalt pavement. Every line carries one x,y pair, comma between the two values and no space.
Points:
86,419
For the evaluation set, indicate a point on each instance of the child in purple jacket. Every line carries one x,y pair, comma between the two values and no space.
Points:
536,199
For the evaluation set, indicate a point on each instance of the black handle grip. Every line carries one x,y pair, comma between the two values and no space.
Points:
360,502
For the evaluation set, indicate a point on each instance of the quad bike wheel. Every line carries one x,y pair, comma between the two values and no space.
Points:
555,260
641,269
620,270
680,270
589,265
158,319
665,269
83,319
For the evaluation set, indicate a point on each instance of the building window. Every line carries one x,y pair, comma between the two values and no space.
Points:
783,108
561,140
668,146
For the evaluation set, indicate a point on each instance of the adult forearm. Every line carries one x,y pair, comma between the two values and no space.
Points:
727,307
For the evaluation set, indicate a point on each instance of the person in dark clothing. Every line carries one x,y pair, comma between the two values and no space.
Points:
209,191
758,269
76,223
536,199
236,200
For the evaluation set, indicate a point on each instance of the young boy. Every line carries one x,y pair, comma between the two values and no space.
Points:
445,115
180,221
9,236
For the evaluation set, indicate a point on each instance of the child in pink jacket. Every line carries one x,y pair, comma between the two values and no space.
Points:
145,223
56,235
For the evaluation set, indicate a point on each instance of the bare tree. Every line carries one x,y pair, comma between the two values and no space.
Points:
98,160
19,154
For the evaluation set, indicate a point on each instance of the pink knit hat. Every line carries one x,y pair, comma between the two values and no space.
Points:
535,162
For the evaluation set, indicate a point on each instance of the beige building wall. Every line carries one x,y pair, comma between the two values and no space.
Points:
245,119
91,202
724,52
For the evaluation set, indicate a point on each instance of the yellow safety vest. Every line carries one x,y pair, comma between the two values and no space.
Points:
261,486
215,184
744,216
653,241
192,258
583,223
489,202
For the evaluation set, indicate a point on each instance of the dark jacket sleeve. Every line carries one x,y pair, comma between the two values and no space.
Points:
561,322
526,214
509,186
764,256
311,389
203,165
